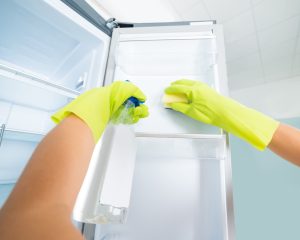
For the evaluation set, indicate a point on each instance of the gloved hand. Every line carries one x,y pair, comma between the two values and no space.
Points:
206,105
96,106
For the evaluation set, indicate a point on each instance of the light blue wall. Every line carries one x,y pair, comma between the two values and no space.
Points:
266,193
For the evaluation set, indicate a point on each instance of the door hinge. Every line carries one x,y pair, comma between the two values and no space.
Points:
113,23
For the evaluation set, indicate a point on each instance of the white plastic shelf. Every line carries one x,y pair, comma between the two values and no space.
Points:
178,191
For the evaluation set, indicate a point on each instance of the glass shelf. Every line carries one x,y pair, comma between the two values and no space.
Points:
19,75
29,90
18,135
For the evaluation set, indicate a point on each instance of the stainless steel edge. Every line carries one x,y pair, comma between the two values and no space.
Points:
88,231
181,23
229,192
114,23
2,129
110,66
166,29
222,87
221,60
84,9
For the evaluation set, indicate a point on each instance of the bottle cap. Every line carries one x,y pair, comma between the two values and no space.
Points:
135,101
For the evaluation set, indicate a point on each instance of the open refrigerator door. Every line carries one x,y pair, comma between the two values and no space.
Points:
181,186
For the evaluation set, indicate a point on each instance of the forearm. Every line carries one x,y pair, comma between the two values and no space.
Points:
53,176
286,143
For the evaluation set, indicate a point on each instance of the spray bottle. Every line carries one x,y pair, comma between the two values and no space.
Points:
105,194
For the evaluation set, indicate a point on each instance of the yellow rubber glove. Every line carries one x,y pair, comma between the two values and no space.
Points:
206,105
96,106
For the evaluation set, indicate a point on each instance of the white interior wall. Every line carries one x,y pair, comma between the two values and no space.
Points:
279,99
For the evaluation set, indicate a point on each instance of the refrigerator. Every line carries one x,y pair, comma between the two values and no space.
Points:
51,51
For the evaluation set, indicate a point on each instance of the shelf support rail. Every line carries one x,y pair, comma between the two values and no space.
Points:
22,76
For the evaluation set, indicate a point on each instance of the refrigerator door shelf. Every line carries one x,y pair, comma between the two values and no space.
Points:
153,57
178,192
160,55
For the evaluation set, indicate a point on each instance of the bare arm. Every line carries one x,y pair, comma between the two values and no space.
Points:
286,143
41,204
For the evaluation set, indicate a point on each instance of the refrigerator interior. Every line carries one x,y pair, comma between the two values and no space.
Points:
48,56
177,193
